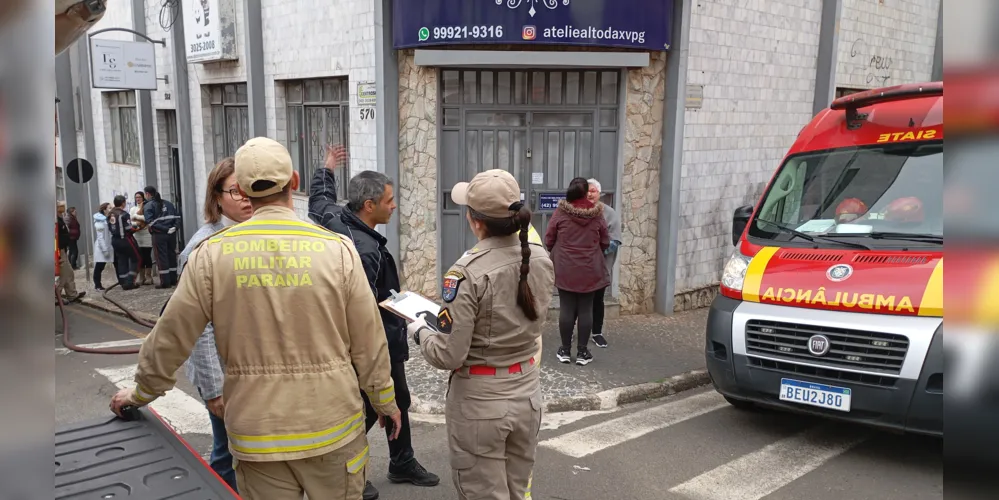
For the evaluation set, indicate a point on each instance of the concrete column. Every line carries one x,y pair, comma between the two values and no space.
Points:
937,74
253,32
144,101
182,103
76,194
674,107
387,108
826,60
87,115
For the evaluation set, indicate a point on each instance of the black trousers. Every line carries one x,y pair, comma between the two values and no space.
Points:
147,257
575,308
98,270
126,261
401,452
165,246
74,254
598,311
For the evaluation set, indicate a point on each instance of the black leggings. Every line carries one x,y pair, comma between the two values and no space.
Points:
98,271
575,307
598,311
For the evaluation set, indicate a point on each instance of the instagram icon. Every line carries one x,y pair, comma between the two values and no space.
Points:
529,33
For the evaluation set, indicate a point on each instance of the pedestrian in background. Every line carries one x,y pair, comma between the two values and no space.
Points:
577,237
224,206
610,255
486,336
162,220
126,251
66,284
103,253
143,239
74,237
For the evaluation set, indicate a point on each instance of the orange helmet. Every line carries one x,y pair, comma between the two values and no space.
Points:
907,209
850,209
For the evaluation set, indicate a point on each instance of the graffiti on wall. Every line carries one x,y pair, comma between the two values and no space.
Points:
873,65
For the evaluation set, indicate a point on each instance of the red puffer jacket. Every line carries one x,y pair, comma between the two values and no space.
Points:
577,237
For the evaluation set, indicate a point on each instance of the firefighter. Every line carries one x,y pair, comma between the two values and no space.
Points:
488,335
162,220
126,250
277,291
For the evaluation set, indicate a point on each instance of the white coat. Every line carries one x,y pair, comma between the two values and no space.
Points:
102,240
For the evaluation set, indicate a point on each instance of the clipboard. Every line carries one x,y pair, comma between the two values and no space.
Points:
407,305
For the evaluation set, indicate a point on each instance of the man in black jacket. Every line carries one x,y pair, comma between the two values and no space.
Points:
371,202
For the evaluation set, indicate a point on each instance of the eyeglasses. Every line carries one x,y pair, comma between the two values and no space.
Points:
234,194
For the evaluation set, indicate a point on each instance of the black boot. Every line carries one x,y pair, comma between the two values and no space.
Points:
370,493
413,473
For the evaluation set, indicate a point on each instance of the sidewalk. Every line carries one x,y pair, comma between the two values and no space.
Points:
649,357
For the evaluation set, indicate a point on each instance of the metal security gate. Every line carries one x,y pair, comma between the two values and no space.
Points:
544,127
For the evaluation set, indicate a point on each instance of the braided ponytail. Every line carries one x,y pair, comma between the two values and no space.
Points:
525,297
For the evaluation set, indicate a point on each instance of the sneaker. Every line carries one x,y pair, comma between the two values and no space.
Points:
583,357
563,355
415,474
370,493
599,340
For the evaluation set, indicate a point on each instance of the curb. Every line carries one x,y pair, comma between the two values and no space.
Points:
605,400
111,308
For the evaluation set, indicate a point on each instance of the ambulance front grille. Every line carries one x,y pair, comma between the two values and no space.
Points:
874,352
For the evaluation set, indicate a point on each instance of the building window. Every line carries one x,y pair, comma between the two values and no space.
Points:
124,127
230,118
318,114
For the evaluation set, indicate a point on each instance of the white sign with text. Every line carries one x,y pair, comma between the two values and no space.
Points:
120,64
209,30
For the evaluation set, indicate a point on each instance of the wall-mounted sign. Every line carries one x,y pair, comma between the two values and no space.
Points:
549,201
120,64
210,30
367,94
634,24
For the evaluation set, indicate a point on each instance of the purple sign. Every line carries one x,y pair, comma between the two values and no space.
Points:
634,24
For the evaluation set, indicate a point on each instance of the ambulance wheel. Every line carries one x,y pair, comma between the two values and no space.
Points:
740,404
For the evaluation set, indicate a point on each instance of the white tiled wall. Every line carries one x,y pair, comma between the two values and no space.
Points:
887,42
756,60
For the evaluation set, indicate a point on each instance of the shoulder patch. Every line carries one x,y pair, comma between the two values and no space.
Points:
444,321
449,289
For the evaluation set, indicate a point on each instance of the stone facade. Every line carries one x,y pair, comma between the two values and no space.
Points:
418,176
639,188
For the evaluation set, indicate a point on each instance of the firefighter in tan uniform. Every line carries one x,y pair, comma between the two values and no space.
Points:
488,334
278,290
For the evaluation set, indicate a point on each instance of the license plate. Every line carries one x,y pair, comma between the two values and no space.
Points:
810,393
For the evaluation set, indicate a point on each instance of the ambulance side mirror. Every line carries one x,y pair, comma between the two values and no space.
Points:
739,221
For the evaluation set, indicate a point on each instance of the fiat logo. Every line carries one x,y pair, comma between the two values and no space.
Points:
839,272
818,345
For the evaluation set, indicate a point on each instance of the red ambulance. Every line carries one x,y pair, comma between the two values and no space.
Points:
832,303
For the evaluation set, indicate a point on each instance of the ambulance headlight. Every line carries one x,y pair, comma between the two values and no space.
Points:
734,273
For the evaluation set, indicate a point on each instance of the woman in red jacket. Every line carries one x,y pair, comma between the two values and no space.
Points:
576,238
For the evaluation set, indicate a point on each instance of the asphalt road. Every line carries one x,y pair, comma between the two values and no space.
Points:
692,446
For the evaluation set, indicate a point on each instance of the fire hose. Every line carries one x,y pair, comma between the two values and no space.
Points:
73,347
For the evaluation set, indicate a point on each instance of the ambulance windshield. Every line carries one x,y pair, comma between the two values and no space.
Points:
880,195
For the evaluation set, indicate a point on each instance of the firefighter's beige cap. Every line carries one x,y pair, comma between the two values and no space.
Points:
263,159
492,193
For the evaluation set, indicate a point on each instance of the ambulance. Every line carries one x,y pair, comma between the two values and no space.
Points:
832,302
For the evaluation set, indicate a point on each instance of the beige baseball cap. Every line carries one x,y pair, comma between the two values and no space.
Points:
263,159
491,193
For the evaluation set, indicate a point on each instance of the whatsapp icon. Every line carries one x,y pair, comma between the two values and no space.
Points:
424,34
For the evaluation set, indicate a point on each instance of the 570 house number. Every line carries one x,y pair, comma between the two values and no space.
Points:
367,113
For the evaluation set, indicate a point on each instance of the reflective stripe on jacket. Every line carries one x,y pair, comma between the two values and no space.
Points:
278,291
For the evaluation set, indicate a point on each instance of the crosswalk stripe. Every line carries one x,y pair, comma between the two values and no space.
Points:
594,438
103,345
762,472
184,413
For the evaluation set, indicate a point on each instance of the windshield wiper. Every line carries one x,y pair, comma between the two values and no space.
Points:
887,235
811,238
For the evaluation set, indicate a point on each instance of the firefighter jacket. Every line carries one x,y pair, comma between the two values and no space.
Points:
296,326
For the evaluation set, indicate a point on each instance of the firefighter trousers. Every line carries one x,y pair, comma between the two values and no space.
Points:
126,261
165,247
493,434
337,475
